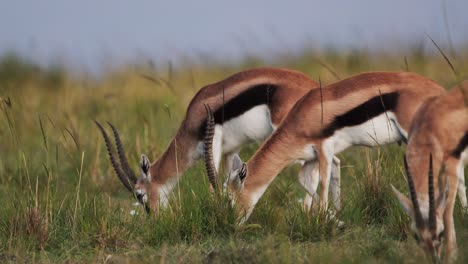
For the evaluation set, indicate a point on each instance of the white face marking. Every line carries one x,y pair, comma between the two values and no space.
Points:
165,190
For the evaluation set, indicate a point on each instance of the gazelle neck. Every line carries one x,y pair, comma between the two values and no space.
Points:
275,154
177,158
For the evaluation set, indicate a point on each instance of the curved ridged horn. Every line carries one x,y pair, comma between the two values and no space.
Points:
432,209
417,212
122,157
122,176
208,148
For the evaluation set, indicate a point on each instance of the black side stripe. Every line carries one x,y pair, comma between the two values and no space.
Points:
364,112
257,95
461,146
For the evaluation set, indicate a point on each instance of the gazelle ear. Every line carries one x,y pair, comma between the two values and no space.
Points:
236,163
144,167
238,173
404,201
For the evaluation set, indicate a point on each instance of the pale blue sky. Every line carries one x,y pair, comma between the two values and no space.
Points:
95,32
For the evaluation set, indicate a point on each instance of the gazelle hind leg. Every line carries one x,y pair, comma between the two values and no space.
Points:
325,166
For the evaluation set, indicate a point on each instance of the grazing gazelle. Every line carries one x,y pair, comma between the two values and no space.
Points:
247,107
438,132
368,109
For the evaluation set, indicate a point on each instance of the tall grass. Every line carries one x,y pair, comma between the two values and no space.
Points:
61,202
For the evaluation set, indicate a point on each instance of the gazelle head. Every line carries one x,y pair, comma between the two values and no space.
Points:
142,184
137,186
427,224
149,193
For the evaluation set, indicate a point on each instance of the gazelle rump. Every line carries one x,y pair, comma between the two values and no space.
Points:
438,142
246,107
368,109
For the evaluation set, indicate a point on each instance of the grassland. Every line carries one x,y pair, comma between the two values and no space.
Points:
61,202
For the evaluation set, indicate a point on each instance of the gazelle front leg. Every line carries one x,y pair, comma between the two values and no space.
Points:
450,236
217,146
336,183
461,187
325,159
217,152
309,179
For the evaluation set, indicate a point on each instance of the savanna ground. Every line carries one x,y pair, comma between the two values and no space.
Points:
61,202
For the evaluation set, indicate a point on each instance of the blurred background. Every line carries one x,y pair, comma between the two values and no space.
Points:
91,36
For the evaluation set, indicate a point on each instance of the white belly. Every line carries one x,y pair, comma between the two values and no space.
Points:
253,125
464,156
380,130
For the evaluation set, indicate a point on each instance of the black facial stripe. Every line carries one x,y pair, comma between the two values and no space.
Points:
362,113
461,146
254,96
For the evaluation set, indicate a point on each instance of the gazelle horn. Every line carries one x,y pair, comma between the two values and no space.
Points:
208,148
417,212
122,157
432,209
110,150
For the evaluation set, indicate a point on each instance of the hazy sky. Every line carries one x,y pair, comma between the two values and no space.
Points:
92,32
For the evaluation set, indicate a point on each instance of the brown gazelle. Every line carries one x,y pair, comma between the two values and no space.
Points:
368,109
247,107
438,142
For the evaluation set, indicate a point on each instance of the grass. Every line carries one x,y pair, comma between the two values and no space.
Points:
61,202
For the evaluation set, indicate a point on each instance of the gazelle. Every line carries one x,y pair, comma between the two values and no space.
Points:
438,132
368,109
247,107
